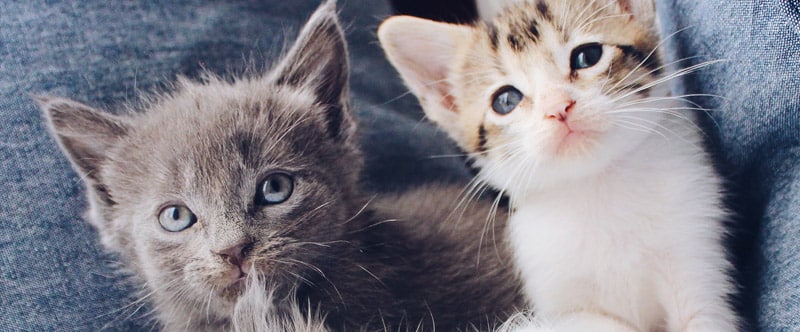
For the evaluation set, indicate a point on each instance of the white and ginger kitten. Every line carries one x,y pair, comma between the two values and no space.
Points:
564,106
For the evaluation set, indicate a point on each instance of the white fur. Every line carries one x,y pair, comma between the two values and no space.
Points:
618,229
639,241
624,235
487,9
579,321
255,312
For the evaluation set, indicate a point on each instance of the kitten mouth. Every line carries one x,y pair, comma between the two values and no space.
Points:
236,287
571,139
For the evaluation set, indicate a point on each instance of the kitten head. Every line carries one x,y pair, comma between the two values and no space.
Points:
219,179
548,91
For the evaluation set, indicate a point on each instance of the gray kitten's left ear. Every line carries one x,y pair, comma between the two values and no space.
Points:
318,62
86,136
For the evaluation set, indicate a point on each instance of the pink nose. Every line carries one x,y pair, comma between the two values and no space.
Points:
558,109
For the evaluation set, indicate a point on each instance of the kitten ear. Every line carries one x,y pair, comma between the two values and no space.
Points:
423,52
640,10
318,61
84,134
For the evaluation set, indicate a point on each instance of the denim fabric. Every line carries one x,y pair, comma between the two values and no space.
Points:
755,125
53,274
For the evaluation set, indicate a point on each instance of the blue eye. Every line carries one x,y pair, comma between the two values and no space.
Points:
275,188
585,56
506,99
176,218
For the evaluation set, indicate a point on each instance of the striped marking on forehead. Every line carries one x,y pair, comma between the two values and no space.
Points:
523,34
524,30
543,10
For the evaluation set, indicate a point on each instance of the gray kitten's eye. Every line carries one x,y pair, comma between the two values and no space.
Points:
275,188
176,218
506,99
585,56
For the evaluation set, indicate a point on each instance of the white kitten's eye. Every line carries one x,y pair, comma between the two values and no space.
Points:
275,188
506,99
176,218
585,56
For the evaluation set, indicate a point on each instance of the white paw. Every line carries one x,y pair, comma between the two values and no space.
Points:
577,322
525,322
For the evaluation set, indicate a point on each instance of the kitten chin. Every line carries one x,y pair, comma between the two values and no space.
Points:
257,309
564,106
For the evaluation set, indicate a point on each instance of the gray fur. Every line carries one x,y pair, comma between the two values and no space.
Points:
327,258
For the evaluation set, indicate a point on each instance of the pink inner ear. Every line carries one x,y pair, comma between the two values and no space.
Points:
627,7
447,100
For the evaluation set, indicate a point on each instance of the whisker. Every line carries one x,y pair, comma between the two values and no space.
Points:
670,77
646,75
372,275
363,208
600,19
637,127
649,55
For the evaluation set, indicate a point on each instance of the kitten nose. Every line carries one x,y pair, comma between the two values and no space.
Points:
558,109
235,254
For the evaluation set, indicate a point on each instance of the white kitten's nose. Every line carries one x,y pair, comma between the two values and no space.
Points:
556,106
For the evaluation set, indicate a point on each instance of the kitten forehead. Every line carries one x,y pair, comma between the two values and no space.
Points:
201,114
519,26
213,140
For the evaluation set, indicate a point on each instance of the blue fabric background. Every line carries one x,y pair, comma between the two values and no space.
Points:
755,131
53,275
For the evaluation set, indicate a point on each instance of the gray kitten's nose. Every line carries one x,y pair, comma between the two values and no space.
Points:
235,254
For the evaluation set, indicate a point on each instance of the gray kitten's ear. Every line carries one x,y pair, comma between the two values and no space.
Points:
317,62
84,134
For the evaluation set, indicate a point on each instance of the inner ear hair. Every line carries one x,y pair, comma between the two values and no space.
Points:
85,134
318,62
423,52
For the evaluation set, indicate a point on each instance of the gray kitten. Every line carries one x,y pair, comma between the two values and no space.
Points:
236,204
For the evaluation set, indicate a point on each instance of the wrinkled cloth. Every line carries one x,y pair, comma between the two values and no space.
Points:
55,276
754,131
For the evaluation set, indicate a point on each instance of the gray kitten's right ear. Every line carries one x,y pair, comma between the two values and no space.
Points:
85,135
423,52
318,62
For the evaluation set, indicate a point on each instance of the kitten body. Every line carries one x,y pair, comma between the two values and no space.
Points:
617,220
236,205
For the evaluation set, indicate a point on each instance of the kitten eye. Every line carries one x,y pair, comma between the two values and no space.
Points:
274,189
585,56
176,218
506,99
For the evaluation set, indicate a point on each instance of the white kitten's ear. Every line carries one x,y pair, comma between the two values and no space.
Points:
423,52
641,10
318,62
488,9
85,135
